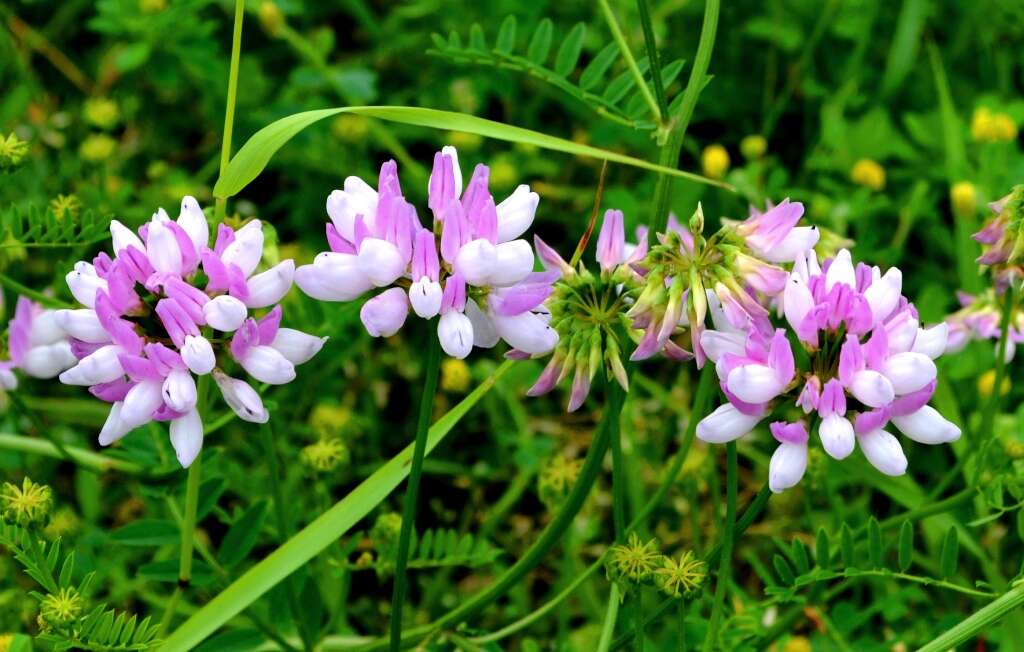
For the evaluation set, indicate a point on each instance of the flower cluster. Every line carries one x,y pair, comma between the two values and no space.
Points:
979,318
1002,238
869,362
470,267
168,307
37,344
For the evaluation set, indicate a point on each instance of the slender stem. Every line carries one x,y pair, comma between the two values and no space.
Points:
988,417
725,564
80,456
35,295
979,621
188,528
169,610
669,156
652,55
634,69
610,616
618,482
229,110
681,624
638,618
412,492
50,583
40,427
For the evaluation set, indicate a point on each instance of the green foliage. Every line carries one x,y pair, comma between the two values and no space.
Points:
36,227
436,549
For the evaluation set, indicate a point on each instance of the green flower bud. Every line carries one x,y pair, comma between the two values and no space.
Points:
633,562
697,221
12,152
28,505
60,609
385,531
682,577
326,455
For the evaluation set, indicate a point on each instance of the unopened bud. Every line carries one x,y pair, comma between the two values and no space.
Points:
697,221
28,505
964,199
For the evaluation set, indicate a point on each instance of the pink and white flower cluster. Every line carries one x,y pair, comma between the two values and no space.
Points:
37,345
148,328
470,267
870,363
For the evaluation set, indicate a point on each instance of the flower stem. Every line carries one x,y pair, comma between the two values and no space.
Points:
988,418
979,621
610,616
669,156
229,110
634,69
725,563
618,482
412,491
188,528
652,55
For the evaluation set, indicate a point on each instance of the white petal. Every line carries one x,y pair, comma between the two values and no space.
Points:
837,437
269,287
841,271
884,452
82,324
225,313
343,206
187,437
909,372
797,301
526,332
140,403
754,383
927,426
456,170
123,237
456,334
333,277
476,261
193,222
718,343
297,347
7,379
179,390
515,214
267,365
883,295
787,466
48,361
162,249
83,286
872,388
381,261
247,248
513,261
100,366
113,428
241,398
485,334
932,341
46,329
425,296
725,424
796,242
198,355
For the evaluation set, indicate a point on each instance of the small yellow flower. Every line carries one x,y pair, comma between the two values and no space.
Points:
462,140
97,147
753,147
66,206
12,152
26,505
715,161
557,478
326,455
679,578
385,531
5,642
797,644
963,196
350,128
455,376
868,173
63,523
101,112
152,6
981,125
327,420
987,381
61,608
635,562
271,17
1004,128
1013,449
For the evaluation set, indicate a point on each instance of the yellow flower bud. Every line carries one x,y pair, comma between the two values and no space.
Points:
455,376
28,505
101,112
326,455
1004,129
97,147
987,381
981,125
753,147
327,420
152,6
60,609
797,644
271,17
715,161
868,173
5,642
964,198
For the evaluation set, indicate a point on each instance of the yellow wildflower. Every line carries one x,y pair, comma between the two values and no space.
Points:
715,161
868,173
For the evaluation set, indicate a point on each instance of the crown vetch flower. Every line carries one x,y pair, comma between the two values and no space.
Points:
148,328
36,343
1002,238
869,363
979,318
470,267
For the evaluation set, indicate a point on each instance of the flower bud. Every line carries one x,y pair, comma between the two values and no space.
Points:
384,314
269,287
27,505
297,347
425,297
516,212
241,398
225,313
456,334
963,197
186,433
715,161
884,452
198,354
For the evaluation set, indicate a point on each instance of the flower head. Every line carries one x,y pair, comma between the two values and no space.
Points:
167,307
635,561
868,173
1002,238
27,505
680,577
325,455
979,318
37,344
869,363
61,609
470,266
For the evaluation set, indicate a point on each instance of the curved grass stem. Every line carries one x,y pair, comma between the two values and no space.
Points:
725,564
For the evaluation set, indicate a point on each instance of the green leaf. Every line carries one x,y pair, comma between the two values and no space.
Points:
506,35
253,157
906,546
598,66
569,52
243,534
950,554
146,532
821,551
783,570
235,640
210,492
800,556
477,40
166,570
875,543
318,535
66,570
540,44
846,541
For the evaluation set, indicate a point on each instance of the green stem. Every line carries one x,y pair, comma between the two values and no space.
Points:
80,456
634,69
988,417
188,528
610,616
37,423
35,295
979,621
229,110
412,492
618,482
652,55
669,156
638,618
725,564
